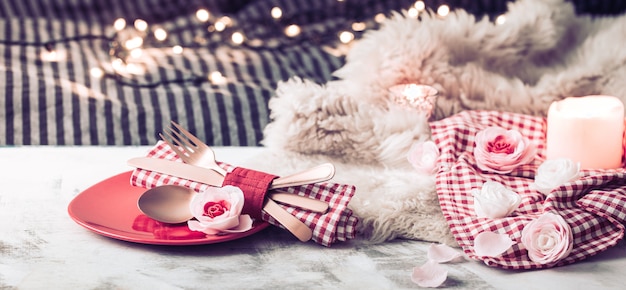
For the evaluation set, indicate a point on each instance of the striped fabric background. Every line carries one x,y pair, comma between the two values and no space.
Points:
57,101
61,103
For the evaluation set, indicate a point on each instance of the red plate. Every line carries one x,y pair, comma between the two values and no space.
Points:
109,208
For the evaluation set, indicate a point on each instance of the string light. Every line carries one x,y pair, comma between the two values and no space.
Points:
420,6
136,53
160,34
119,24
276,12
237,37
413,12
177,49
203,15
118,65
380,18
133,43
443,10
292,30
96,72
255,42
219,26
123,68
500,19
53,55
141,25
134,68
346,36
226,20
217,78
359,26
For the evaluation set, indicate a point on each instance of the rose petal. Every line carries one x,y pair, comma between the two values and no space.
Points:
245,224
195,225
430,274
490,244
441,253
222,224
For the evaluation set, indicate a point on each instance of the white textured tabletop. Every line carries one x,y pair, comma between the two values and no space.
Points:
41,247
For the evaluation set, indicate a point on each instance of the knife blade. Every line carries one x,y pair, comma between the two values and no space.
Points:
178,169
209,176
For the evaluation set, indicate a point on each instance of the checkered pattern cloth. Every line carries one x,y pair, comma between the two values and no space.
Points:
336,225
594,206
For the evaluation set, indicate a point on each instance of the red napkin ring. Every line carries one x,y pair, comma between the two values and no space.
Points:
254,185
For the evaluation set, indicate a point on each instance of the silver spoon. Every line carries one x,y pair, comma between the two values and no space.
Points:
167,203
170,203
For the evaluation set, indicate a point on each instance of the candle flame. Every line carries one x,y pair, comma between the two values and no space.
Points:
420,97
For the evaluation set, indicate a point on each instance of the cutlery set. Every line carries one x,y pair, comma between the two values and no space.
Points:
170,203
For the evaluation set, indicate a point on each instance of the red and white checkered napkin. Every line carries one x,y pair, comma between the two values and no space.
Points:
594,206
337,224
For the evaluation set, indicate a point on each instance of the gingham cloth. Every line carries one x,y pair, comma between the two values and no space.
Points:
337,224
594,206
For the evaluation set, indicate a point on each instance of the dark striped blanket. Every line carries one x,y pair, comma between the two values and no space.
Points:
72,74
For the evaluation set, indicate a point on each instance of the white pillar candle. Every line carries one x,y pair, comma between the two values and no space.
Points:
588,130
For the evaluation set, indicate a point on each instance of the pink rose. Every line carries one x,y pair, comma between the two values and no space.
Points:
423,156
500,151
548,238
218,210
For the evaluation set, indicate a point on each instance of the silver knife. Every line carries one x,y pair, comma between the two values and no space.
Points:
209,176
179,169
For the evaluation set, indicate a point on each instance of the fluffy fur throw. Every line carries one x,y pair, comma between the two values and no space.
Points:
542,53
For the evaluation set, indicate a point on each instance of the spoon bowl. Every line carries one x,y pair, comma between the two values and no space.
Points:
167,203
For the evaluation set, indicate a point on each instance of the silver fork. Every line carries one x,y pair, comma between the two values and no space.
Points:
193,151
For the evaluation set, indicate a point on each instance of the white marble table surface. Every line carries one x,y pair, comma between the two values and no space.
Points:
41,247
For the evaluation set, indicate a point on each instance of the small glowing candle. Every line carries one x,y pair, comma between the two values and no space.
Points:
588,130
420,97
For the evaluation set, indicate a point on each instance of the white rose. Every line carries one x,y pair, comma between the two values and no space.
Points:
554,173
494,200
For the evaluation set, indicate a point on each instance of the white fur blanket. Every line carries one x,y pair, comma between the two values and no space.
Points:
542,53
